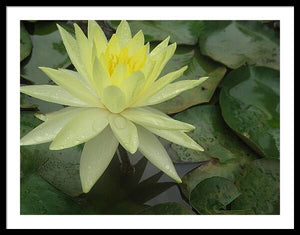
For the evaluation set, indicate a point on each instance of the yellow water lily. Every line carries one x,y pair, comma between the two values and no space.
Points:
108,99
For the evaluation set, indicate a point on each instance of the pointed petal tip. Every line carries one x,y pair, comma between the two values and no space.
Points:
179,181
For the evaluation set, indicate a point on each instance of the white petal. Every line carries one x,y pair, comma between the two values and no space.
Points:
96,156
54,94
159,85
177,137
47,116
125,131
73,85
114,99
80,78
83,127
147,118
154,151
48,130
171,91
85,49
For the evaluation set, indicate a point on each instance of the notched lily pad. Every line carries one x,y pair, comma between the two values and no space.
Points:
211,169
212,134
212,195
235,43
250,105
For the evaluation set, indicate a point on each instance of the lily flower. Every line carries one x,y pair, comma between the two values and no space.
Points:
109,98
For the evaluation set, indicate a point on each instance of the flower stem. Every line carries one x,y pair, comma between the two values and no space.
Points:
126,166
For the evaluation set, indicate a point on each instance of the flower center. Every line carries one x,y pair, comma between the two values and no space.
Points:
133,62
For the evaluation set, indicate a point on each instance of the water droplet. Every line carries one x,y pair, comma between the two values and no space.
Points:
120,122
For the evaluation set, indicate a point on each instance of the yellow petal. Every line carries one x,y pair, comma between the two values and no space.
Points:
119,74
114,99
125,132
113,46
132,85
123,33
99,37
171,91
85,49
96,156
170,50
73,51
100,78
154,151
147,118
54,94
47,131
73,85
160,84
136,43
81,128
160,47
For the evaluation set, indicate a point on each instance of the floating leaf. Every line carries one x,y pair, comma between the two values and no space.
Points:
26,104
48,51
169,208
180,31
32,157
210,169
212,134
199,66
250,105
39,197
212,195
259,185
26,45
235,43
62,170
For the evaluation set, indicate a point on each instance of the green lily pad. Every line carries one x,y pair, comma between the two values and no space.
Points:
212,134
62,171
180,31
48,50
199,66
39,197
60,168
26,104
235,43
212,195
259,185
33,156
210,169
26,45
169,208
250,105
